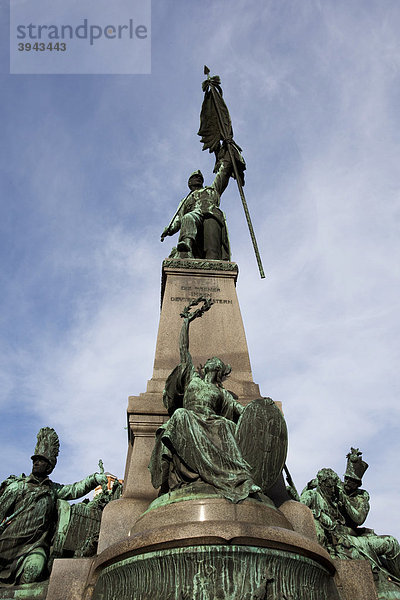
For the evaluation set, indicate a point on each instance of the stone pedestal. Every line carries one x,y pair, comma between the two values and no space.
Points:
220,332
202,547
192,543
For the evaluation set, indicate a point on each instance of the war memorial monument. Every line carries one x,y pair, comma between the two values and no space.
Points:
205,512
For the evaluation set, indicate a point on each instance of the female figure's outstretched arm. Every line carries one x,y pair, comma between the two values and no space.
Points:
185,356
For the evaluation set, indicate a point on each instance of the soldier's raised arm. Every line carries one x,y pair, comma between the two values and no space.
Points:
223,170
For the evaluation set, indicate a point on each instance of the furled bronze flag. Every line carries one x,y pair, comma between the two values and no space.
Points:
216,127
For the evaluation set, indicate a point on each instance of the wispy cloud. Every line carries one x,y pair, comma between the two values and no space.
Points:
93,170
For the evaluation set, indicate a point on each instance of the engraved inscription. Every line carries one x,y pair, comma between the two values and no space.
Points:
209,265
199,290
193,291
190,298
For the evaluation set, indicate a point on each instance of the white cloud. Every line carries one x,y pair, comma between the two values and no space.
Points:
313,93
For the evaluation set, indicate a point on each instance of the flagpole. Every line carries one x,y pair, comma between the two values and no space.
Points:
237,176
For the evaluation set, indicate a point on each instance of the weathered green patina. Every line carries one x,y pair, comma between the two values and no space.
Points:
200,221
339,509
210,436
78,526
216,572
28,513
31,591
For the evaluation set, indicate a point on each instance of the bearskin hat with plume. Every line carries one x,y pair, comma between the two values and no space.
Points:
356,466
47,445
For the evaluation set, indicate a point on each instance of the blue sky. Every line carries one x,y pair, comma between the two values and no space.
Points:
92,168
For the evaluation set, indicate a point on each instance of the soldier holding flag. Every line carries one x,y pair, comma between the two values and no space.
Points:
201,223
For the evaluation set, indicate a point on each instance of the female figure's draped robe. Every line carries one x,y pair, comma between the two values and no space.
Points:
198,442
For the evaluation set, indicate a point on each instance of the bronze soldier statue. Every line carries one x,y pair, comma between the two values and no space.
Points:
202,226
28,513
340,509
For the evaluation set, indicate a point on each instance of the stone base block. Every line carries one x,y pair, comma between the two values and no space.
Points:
354,580
300,517
118,518
68,578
